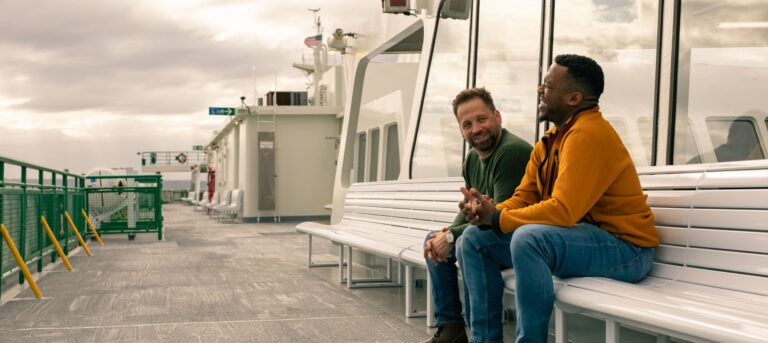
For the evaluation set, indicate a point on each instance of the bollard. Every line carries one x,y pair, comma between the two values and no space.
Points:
55,243
20,261
80,238
95,234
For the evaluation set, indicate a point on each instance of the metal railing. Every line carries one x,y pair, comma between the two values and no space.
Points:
165,158
27,193
125,204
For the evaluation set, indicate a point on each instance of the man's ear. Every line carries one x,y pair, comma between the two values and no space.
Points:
574,98
497,114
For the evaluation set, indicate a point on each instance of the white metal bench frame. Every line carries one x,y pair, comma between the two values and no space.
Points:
709,281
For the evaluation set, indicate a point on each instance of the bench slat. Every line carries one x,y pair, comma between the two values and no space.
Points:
439,206
732,198
735,179
433,196
407,186
721,239
404,222
734,219
668,198
670,216
712,278
400,213
670,181
714,259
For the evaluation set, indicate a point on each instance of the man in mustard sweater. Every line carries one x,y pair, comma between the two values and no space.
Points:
579,210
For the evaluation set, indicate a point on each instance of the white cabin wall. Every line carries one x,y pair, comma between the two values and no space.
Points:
305,164
249,163
372,35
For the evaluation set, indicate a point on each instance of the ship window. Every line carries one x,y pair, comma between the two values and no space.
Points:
622,37
373,164
734,139
360,160
392,153
722,73
508,64
646,134
439,145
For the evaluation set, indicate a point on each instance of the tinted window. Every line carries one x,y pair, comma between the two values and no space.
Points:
373,168
734,140
621,36
392,162
360,161
438,149
722,74
509,68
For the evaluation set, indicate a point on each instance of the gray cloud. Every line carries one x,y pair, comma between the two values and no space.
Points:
152,74
113,56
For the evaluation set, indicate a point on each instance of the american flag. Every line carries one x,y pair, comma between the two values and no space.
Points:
313,40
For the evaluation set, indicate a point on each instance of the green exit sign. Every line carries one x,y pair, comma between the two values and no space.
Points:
197,147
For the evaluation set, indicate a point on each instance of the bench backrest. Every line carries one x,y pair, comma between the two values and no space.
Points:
713,224
227,197
236,200
423,205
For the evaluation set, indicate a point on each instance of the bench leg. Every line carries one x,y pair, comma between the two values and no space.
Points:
313,265
368,283
561,325
341,263
409,311
612,331
431,322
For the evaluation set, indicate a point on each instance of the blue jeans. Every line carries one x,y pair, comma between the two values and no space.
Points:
541,251
481,255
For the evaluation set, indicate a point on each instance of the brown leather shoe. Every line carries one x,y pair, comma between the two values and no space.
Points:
449,332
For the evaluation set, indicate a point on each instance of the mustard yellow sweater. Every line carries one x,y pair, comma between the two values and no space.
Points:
581,173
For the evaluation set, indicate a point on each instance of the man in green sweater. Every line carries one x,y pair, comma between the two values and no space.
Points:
494,166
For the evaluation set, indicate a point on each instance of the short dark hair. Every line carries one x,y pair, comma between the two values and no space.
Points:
471,93
585,72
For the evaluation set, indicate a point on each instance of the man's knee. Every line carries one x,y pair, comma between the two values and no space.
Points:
526,237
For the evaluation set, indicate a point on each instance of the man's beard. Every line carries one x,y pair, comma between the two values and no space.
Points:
489,144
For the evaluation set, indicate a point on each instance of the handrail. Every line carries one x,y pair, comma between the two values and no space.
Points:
4,159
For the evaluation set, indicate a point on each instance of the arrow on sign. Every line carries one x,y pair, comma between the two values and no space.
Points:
221,111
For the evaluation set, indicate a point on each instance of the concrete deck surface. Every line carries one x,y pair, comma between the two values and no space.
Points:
214,282
205,282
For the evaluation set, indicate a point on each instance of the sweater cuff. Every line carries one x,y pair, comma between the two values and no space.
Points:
495,217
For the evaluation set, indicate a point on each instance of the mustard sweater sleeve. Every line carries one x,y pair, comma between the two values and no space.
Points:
527,192
586,166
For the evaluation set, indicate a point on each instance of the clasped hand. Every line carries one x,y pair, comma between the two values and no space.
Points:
477,209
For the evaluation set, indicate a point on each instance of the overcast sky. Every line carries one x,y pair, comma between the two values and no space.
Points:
89,83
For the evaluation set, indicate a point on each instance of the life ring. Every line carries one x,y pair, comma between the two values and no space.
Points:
182,158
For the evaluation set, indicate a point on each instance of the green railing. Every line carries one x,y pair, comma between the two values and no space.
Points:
125,204
27,192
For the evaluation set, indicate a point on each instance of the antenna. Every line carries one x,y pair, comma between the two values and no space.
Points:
317,19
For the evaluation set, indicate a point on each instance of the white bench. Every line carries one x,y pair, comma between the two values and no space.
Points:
215,201
710,276
709,281
390,219
192,197
220,205
202,205
233,207
201,202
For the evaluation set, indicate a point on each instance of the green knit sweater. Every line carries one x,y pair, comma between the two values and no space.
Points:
496,176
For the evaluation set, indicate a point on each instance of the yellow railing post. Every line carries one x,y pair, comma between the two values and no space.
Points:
95,234
80,238
20,261
55,243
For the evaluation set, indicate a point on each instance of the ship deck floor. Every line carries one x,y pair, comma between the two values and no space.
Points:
210,282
